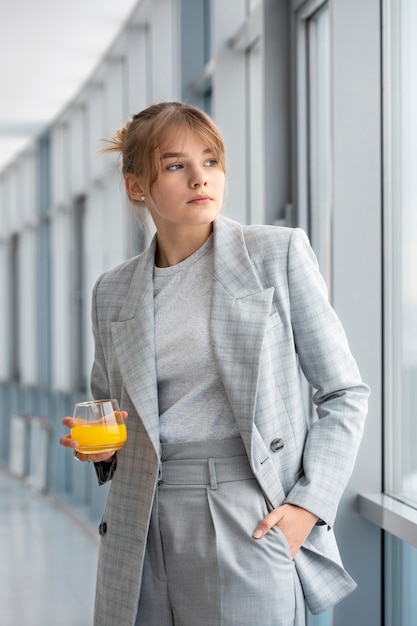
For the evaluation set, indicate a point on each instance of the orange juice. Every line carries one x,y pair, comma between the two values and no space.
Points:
94,438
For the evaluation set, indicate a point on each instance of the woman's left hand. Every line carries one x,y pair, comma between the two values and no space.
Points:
294,521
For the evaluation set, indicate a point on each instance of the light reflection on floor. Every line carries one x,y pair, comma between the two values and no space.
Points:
47,561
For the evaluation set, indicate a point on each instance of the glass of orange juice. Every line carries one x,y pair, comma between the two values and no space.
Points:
99,428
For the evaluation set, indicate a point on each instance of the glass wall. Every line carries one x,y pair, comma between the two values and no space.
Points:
400,222
320,149
400,158
314,149
400,582
196,69
254,99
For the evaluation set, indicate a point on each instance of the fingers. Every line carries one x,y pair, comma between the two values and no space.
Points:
267,523
69,422
92,458
294,521
103,456
68,442
83,458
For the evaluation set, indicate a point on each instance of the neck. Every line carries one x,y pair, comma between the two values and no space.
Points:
174,247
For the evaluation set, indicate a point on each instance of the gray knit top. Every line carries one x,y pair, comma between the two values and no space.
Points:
193,405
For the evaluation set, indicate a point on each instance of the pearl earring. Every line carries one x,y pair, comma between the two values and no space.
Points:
142,198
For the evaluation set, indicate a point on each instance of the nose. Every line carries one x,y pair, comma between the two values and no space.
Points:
198,178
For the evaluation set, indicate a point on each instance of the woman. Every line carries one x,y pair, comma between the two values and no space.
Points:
223,499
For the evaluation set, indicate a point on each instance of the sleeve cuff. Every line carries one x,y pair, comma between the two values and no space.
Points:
106,469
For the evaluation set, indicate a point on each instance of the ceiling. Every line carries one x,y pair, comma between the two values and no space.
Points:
48,49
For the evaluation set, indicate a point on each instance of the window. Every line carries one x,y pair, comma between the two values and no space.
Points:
14,309
196,70
44,275
400,221
314,156
248,41
400,304
400,577
254,99
319,120
79,382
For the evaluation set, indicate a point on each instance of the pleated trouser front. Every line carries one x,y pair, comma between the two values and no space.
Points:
202,566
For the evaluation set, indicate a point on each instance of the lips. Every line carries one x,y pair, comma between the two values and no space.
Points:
201,199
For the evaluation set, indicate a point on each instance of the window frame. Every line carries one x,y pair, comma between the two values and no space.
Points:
307,141
393,244
385,509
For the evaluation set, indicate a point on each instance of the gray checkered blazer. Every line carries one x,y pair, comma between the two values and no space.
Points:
270,315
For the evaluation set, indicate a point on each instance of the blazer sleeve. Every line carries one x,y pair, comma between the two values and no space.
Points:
340,396
99,381
100,387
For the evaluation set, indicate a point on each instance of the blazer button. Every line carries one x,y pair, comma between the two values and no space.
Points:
277,444
102,529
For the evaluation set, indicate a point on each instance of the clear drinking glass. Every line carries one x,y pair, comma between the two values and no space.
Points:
100,426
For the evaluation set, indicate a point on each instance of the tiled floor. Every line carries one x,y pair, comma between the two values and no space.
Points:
47,561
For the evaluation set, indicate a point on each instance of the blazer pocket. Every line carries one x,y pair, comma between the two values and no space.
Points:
283,540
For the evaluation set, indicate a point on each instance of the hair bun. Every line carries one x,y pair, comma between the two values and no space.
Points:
117,143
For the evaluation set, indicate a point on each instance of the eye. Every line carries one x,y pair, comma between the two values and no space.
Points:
210,162
173,167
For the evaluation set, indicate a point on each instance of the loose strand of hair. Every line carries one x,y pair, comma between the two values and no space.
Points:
116,144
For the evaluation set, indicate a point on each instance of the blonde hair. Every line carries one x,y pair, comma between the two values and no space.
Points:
140,140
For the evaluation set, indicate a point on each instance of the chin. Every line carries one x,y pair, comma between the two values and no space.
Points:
207,217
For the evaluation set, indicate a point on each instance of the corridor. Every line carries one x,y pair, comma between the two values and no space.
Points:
47,560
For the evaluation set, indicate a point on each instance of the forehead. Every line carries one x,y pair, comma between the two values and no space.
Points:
181,141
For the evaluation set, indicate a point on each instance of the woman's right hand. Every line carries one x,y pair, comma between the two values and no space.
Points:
68,442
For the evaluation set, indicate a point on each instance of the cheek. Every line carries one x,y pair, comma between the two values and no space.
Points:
157,193
221,180
166,195
164,189
163,199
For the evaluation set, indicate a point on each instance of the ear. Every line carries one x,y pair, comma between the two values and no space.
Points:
133,187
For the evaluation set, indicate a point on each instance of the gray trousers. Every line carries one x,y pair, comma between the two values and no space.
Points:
202,567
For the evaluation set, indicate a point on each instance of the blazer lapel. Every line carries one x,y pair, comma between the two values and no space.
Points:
133,340
239,315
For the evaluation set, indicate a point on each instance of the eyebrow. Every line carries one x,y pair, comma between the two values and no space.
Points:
183,155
